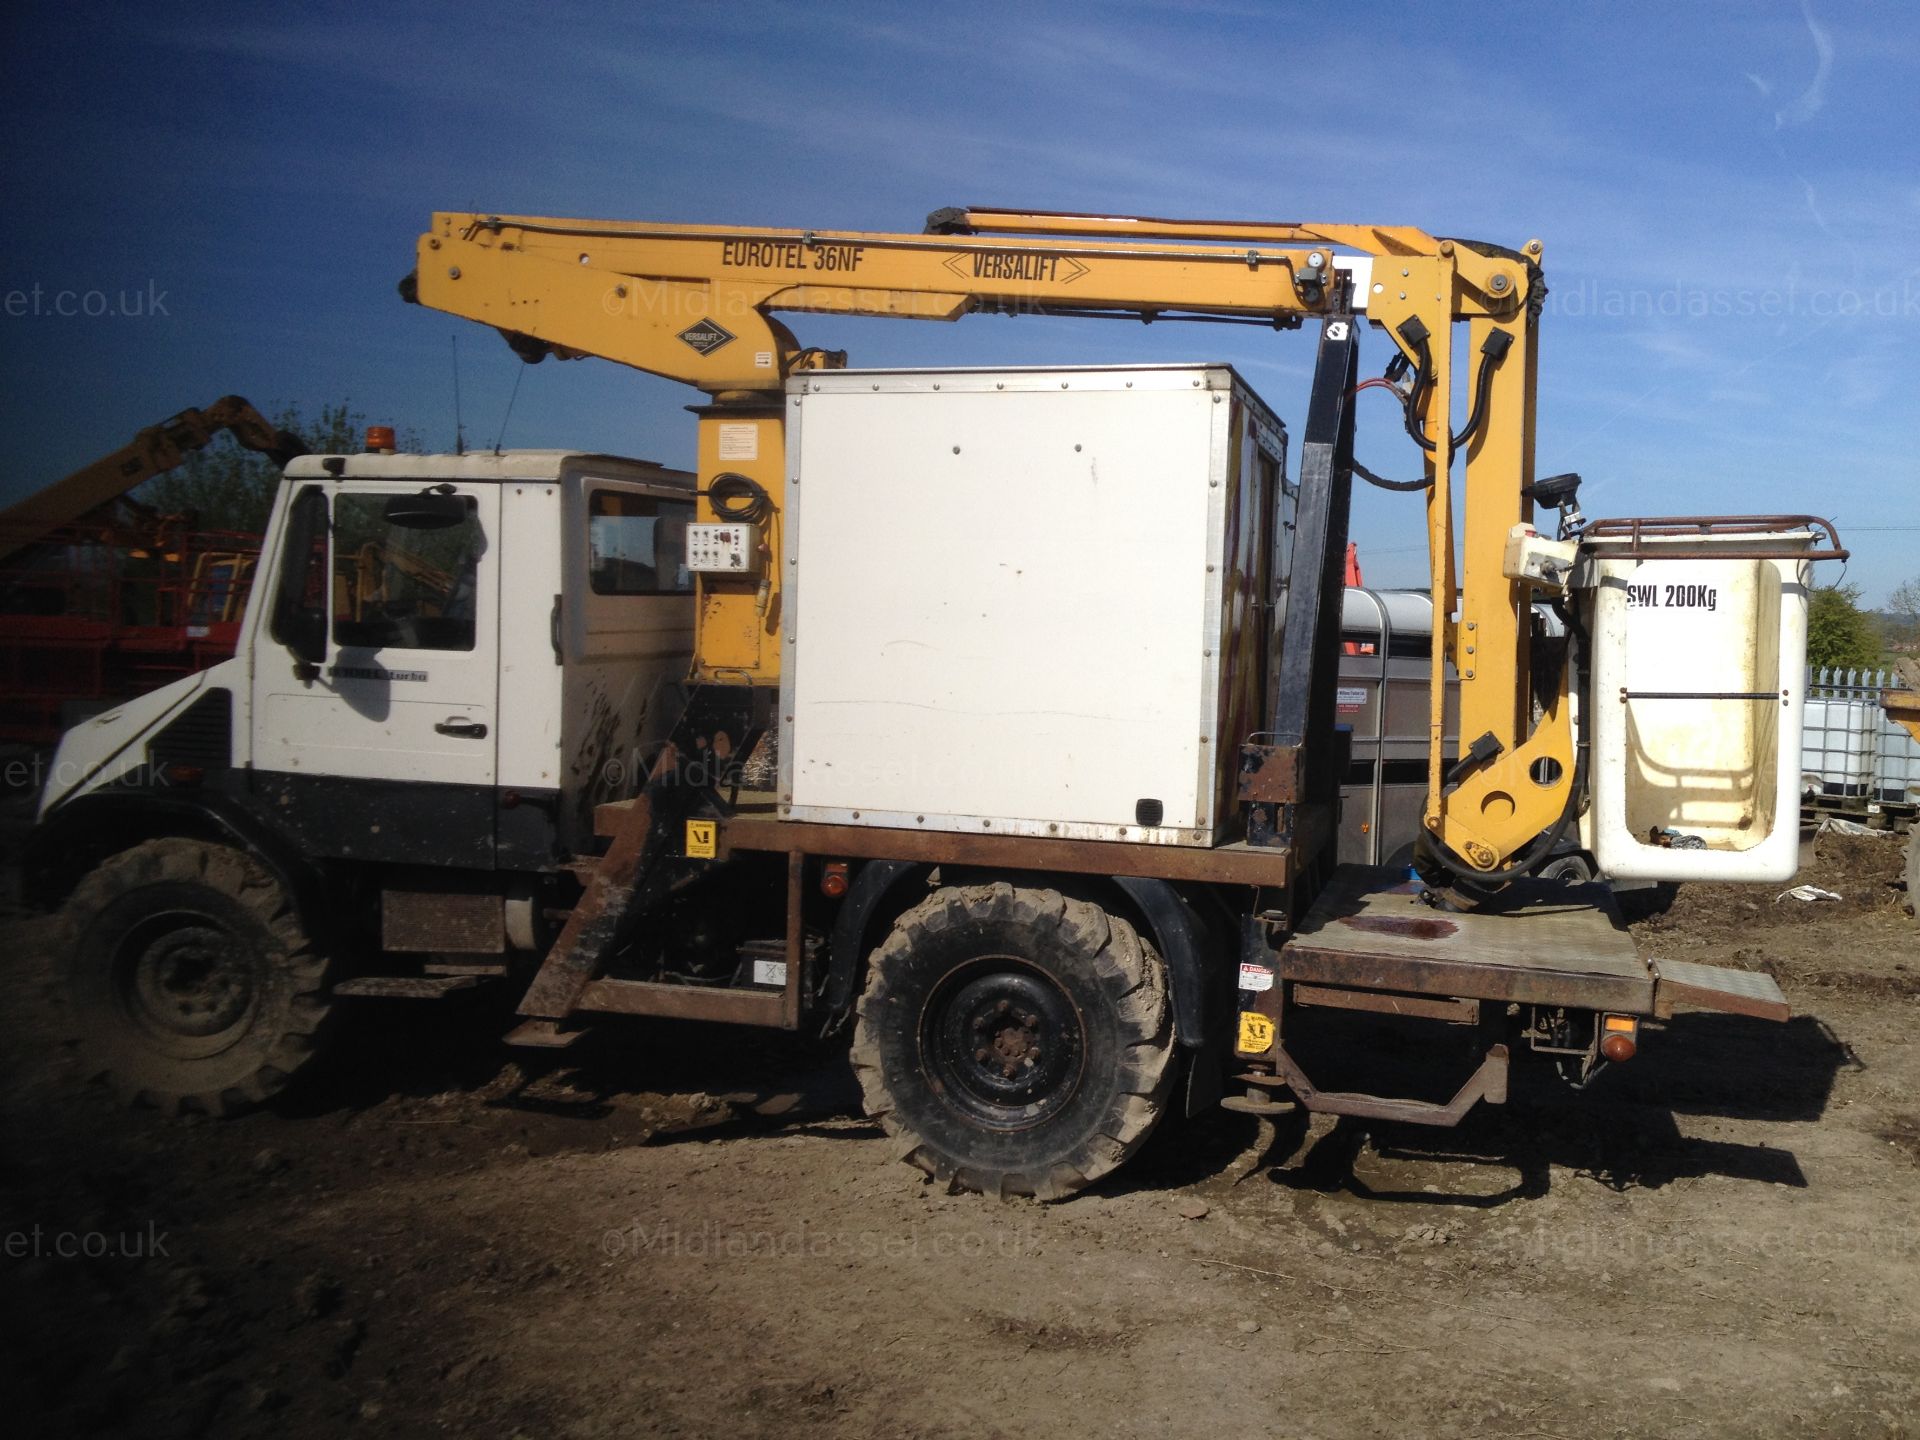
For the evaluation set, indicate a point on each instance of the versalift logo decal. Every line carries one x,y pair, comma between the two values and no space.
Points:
705,336
1016,265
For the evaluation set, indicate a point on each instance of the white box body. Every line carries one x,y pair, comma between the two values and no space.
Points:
1024,602
1672,640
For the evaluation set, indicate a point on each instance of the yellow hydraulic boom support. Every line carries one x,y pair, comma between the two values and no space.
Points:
697,303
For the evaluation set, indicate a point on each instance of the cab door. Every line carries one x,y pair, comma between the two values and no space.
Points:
387,749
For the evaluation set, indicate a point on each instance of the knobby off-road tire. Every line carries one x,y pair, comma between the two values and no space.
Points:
1014,1041
193,983
1913,869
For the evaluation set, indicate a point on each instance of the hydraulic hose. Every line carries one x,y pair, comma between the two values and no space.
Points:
738,499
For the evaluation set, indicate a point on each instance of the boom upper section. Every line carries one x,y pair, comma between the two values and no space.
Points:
632,292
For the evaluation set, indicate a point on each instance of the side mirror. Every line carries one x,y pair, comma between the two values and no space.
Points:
296,624
429,510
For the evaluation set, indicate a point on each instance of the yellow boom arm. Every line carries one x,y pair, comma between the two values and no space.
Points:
154,451
697,303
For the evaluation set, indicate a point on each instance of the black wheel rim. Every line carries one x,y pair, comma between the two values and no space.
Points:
1003,1042
187,982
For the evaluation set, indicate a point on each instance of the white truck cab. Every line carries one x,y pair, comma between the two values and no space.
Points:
447,660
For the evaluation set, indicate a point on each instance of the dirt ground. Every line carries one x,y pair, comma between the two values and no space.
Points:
438,1236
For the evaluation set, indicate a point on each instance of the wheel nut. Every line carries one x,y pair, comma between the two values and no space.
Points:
1003,1007
1032,1022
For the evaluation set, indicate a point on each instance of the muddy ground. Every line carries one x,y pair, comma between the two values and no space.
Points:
440,1237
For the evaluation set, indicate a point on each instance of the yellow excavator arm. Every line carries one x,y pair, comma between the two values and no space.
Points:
154,451
697,303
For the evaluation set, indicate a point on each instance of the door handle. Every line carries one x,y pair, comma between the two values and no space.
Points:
466,729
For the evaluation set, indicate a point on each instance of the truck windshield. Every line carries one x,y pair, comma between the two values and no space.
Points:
394,585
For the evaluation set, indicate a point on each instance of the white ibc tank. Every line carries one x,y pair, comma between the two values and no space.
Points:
1837,746
1697,703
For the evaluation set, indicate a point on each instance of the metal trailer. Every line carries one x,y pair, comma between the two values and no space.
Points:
101,599
95,613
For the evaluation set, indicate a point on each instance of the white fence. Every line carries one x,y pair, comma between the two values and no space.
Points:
1851,751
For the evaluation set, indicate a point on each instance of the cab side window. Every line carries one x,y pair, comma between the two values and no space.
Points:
637,544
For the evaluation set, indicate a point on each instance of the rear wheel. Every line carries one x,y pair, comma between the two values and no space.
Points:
1014,1041
193,982
1913,868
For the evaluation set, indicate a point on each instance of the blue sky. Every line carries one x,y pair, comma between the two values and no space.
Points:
1728,194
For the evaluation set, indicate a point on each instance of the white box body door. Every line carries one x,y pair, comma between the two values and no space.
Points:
1007,601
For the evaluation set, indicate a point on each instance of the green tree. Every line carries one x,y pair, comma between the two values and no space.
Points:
1840,635
227,488
1904,605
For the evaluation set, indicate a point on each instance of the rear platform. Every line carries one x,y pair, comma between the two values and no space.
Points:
1538,942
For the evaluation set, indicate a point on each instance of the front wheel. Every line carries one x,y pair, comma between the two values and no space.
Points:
194,985
1015,1041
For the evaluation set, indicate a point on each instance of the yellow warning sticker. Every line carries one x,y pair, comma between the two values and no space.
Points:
702,837
1256,1033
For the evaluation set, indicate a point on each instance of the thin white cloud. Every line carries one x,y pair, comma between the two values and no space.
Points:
1814,98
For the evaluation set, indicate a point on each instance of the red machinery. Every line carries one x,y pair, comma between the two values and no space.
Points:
101,598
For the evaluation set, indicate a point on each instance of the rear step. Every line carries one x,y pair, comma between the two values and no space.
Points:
1488,1082
1683,985
542,1035
408,987
485,969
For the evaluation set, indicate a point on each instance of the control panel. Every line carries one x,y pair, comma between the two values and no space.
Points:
726,549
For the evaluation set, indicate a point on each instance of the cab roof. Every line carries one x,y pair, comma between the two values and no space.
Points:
538,465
